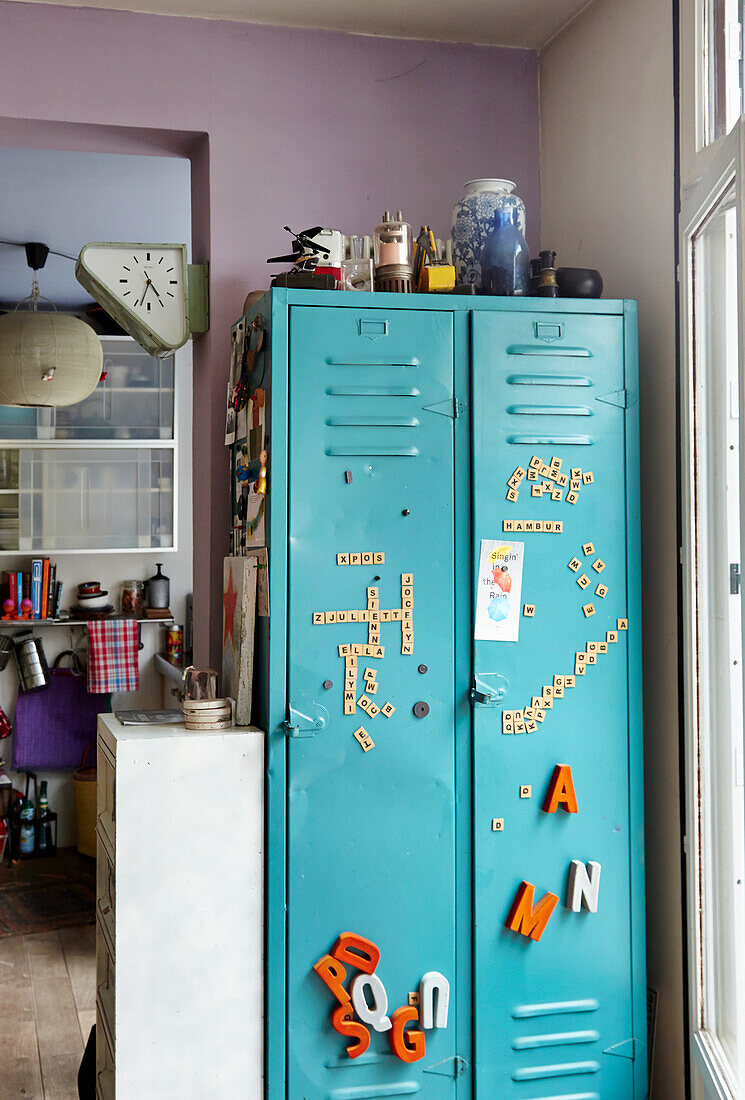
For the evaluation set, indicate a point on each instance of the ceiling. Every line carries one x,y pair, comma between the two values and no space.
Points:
65,199
526,23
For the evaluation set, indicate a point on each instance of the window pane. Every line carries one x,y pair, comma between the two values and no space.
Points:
720,703
724,81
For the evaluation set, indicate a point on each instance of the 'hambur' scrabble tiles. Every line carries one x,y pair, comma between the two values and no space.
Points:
537,526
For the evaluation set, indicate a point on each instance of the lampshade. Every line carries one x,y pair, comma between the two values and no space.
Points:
47,358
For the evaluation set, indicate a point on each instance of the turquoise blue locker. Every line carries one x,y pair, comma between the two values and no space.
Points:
562,1016
394,424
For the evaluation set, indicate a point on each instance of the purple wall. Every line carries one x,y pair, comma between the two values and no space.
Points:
283,127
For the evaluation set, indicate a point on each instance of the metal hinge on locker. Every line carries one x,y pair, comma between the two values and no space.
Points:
303,725
451,407
449,1067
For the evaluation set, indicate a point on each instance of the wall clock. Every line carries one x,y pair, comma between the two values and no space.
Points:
149,289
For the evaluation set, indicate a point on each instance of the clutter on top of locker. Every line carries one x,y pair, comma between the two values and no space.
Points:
486,253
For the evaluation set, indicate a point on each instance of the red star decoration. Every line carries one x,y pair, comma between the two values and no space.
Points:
229,600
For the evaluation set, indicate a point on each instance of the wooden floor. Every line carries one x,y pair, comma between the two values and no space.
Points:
47,1008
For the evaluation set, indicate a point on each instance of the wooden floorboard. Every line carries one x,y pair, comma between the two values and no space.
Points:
79,948
20,1073
47,994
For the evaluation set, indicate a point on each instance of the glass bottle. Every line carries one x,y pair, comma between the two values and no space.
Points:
27,827
505,261
45,829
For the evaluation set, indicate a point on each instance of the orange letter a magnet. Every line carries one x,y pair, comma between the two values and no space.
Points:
561,791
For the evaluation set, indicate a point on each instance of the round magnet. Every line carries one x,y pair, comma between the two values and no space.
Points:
328,684
421,709
422,669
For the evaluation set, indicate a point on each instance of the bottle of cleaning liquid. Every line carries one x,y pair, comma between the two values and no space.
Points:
27,827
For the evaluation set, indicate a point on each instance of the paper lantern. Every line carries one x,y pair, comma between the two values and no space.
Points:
47,358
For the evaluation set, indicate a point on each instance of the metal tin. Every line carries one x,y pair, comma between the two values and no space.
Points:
175,644
31,662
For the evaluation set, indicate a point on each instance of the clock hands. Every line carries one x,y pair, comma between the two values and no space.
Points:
149,285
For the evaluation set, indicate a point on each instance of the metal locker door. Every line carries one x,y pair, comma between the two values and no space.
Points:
557,1017
371,834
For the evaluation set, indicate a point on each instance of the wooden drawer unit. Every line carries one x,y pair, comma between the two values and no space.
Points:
105,895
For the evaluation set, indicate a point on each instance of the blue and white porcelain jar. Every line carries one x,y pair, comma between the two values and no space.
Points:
473,221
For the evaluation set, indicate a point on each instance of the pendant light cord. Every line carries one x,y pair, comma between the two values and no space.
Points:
54,251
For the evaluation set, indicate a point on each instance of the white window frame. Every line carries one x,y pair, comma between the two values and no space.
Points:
707,171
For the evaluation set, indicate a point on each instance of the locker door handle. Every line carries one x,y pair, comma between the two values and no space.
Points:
489,690
303,725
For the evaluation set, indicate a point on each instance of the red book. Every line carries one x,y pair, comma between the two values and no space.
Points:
44,588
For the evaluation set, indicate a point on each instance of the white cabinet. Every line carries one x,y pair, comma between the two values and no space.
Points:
98,475
179,913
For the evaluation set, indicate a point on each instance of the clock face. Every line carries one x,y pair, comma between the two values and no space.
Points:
144,287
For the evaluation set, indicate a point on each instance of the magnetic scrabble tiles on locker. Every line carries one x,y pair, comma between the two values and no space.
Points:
527,719
368,557
363,737
538,526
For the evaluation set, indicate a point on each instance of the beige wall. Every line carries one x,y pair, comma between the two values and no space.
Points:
607,157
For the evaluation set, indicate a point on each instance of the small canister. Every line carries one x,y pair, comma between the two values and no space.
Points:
159,589
175,645
31,662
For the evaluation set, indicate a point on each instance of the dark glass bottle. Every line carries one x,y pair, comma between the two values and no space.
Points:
45,828
505,261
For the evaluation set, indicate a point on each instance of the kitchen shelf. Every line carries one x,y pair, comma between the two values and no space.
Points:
33,623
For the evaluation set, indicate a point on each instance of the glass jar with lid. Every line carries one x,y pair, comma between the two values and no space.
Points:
133,598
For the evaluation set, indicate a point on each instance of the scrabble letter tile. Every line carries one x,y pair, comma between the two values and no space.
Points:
588,610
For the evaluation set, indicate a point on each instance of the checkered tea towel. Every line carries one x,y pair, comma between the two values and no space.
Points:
112,656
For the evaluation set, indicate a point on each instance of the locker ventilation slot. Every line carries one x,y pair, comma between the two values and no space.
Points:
535,440
372,422
382,1057
571,1096
549,410
549,380
371,391
559,1039
372,450
369,1092
558,353
332,362
553,1008
564,1069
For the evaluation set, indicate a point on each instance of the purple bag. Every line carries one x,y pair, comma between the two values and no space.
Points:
53,727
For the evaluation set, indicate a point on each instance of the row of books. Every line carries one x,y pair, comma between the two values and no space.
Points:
40,586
